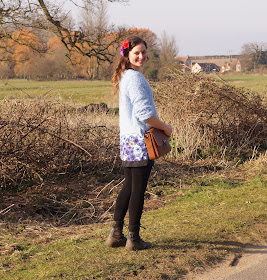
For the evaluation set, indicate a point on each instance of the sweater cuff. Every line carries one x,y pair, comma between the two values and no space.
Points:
146,117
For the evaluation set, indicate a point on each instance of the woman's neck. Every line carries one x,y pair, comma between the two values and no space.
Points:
134,68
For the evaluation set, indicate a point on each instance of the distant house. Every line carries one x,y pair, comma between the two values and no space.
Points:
196,68
231,66
208,64
184,60
205,67
185,63
226,67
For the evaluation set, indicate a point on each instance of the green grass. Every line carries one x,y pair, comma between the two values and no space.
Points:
195,228
82,92
252,82
85,92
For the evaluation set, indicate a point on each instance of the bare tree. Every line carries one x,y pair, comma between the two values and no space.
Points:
168,48
94,18
94,26
167,51
44,15
254,54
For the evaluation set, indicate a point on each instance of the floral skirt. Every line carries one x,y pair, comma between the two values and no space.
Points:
133,151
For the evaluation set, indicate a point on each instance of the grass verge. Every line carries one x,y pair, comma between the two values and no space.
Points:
197,226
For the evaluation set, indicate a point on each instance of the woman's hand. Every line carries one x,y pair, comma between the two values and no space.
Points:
155,122
168,130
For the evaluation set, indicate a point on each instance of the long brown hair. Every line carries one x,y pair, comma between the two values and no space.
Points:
123,63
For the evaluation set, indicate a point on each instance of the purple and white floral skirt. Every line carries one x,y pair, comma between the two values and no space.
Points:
133,148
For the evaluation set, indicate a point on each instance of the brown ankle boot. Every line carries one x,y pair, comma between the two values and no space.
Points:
134,241
116,237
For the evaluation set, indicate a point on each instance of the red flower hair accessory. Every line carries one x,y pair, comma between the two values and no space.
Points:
125,45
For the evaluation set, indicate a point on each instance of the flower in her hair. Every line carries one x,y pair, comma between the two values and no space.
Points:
124,46
122,51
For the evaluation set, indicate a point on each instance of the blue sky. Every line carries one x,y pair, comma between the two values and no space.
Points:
200,27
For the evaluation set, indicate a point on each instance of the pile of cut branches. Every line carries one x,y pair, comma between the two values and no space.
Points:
80,200
211,118
41,139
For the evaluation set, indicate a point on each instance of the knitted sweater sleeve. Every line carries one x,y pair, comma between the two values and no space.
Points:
141,96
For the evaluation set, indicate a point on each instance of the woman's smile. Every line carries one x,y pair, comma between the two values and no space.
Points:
138,56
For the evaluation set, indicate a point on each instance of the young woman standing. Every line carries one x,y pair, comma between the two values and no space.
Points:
137,114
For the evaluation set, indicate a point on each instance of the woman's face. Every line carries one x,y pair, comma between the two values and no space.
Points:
138,56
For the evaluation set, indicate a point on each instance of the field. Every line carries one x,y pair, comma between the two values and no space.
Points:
197,212
75,92
85,92
252,82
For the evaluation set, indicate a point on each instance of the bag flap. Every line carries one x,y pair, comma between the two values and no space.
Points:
160,137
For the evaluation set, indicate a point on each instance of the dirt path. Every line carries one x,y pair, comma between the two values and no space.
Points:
250,265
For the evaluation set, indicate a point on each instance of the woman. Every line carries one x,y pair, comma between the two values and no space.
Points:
137,115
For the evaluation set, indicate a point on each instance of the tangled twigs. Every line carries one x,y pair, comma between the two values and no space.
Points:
106,186
103,216
61,205
7,209
41,138
84,210
64,139
116,186
210,118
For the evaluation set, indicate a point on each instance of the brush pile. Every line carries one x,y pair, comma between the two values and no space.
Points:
211,118
40,139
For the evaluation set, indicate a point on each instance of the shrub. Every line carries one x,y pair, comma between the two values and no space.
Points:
211,118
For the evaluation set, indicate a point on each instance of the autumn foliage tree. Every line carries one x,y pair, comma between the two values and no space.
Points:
51,15
54,62
26,52
6,66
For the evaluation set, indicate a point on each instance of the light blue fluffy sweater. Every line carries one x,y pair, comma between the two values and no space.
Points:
136,103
